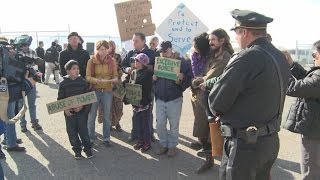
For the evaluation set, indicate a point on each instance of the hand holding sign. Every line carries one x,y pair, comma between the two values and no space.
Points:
167,68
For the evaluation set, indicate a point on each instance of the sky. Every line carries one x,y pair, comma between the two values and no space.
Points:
293,20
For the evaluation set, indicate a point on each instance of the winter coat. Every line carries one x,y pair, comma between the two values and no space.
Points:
168,90
101,71
80,55
304,113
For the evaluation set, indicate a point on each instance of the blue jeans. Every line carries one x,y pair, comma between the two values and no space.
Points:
10,135
105,98
168,111
32,107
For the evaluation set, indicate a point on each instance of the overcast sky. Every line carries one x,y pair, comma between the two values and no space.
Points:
293,20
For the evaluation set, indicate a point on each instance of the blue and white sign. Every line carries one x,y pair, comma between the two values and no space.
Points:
180,27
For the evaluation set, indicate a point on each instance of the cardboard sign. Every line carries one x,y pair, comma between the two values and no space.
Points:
119,91
133,93
72,102
167,68
134,16
180,27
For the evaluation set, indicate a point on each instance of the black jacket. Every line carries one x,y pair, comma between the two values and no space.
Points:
144,78
248,92
304,113
40,52
69,87
80,55
168,90
52,55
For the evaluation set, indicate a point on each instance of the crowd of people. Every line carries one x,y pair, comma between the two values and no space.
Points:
240,93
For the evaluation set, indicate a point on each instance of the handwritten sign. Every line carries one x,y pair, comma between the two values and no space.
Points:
119,91
133,93
180,27
167,68
72,102
134,16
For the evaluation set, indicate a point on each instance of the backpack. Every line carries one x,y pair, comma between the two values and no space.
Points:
52,55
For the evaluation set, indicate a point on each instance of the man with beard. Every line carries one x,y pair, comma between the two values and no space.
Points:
248,101
76,52
221,51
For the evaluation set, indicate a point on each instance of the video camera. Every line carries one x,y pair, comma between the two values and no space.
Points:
13,64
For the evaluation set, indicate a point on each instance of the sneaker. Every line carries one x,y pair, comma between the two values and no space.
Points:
2,155
24,129
107,144
196,146
161,150
89,154
16,149
118,128
77,155
18,141
172,152
145,147
137,146
36,126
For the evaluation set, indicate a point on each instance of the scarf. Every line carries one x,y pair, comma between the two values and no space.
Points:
197,64
107,60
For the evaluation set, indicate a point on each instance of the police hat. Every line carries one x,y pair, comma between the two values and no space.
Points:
249,19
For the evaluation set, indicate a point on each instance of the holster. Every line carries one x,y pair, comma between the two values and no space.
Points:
250,134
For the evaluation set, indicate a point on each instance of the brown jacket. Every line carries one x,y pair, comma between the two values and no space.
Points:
215,65
101,72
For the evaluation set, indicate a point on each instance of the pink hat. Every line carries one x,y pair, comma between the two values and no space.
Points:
142,58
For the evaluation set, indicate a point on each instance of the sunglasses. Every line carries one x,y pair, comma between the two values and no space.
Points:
314,55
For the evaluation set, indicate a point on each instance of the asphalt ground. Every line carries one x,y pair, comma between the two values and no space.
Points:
49,154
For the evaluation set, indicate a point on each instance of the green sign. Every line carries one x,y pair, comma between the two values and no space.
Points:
133,93
167,68
119,91
72,102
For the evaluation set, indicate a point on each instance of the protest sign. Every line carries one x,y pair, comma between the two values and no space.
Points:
72,102
134,16
133,93
167,68
119,91
180,27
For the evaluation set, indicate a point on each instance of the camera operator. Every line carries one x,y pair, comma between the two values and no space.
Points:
16,91
52,65
28,52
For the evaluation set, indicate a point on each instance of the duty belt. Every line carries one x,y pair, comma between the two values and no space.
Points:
246,133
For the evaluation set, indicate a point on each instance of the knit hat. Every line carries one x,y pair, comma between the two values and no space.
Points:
142,58
73,34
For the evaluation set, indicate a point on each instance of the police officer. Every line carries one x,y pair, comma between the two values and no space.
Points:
248,100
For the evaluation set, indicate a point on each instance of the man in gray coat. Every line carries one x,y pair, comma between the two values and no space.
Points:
248,100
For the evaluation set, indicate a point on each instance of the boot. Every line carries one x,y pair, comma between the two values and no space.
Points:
208,163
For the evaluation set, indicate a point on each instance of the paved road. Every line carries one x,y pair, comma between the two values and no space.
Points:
49,154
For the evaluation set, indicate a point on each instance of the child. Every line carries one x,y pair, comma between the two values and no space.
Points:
142,112
76,118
